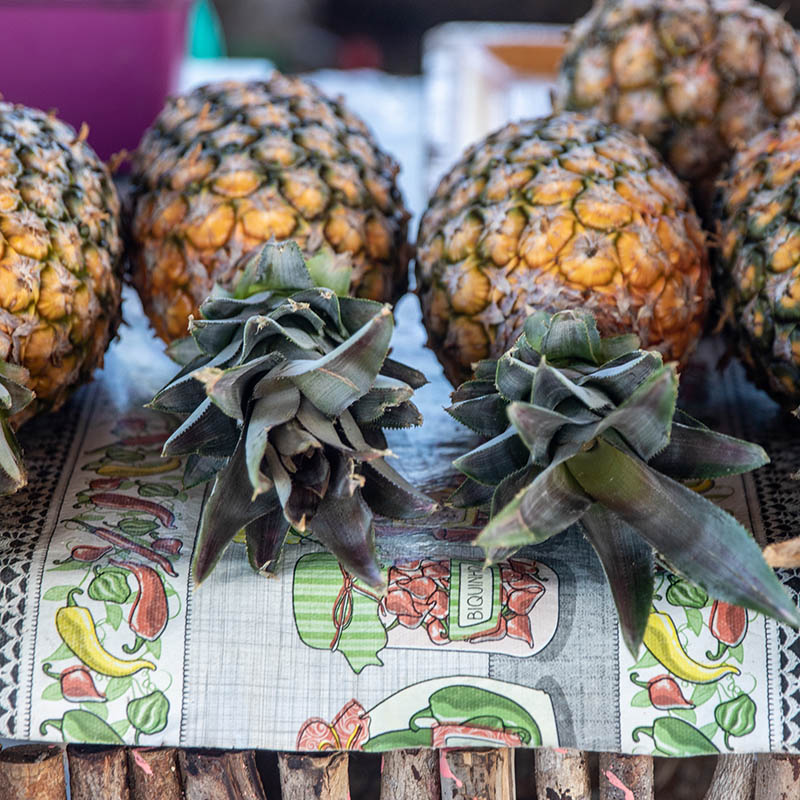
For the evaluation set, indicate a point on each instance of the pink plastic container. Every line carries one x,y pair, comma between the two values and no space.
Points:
110,63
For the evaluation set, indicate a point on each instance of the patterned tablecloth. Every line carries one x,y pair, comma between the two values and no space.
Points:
526,653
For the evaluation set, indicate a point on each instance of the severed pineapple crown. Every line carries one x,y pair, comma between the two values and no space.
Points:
14,396
585,429
285,391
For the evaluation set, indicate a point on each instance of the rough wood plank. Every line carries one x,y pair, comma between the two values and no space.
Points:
477,774
734,778
410,775
321,777
562,774
229,775
624,777
97,773
154,774
777,777
32,771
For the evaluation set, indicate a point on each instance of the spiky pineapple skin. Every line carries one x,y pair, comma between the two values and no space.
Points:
693,76
556,213
232,165
758,262
60,251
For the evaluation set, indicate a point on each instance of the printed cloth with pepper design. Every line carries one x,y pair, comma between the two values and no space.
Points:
105,639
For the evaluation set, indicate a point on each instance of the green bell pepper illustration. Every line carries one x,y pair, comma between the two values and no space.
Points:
81,726
675,737
467,704
148,714
110,585
686,594
736,717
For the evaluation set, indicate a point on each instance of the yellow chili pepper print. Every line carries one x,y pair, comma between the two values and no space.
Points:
135,471
75,625
661,639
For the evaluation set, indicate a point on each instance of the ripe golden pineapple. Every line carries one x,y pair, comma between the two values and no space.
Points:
232,165
59,252
555,213
693,76
759,260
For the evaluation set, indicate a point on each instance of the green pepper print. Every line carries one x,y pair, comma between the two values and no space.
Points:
110,585
82,727
736,717
157,490
148,714
462,704
683,593
134,526
675,737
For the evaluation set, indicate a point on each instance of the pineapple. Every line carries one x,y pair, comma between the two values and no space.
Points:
232,165
558,213
758,262
585,429
59,252
693,76
284,394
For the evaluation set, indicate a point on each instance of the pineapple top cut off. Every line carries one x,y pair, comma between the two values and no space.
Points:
232,165
555,213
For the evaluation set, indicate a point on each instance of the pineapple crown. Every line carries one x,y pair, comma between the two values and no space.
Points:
14,396
585,429
285,391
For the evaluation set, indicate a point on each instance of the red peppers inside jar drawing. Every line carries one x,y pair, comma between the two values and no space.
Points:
497,603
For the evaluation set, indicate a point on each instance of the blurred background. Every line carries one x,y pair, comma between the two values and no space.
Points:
308,34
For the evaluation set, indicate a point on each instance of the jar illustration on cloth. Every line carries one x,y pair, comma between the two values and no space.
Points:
510,608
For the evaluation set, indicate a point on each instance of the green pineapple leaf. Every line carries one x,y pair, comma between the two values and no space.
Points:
283,404
593,436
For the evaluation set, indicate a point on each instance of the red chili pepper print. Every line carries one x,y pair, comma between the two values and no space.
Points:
168,545
149,614
77,684
348,731
124,502
664,692
89,552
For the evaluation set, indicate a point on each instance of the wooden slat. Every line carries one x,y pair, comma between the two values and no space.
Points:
321,777
410,775
562,774
154,774
625,777
477,774
229,775
734,778
32,771
97,773
777,777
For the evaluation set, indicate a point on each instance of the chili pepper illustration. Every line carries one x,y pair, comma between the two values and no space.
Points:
124,502
77,684
82,726
686,594
75,625
664,692
123,541
736,717
105,483
437,632
87,553
519,627
661,639
110,586
421,588
138,470
148,714
498,632
436,569
169,545
462,704
409,621
676,737
522,601
149,614
399,601
728,624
